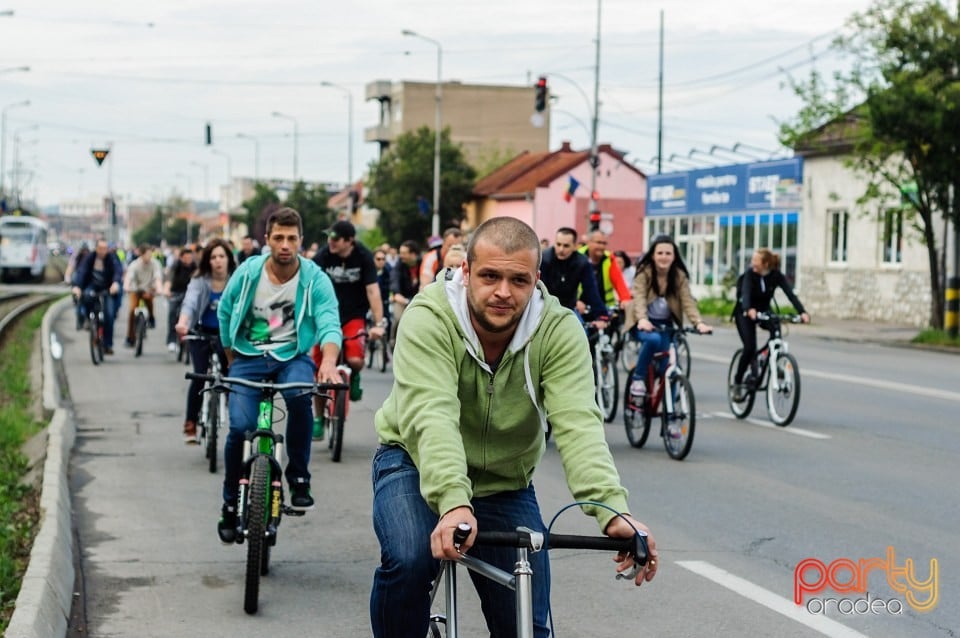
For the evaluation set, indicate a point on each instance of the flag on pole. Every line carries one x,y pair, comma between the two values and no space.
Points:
423,206
571,188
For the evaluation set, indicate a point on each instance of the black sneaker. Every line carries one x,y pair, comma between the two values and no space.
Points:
227,525
300,498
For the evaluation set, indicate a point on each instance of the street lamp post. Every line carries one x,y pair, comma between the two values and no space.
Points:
296,135
3,141
256,154
438,97
349,128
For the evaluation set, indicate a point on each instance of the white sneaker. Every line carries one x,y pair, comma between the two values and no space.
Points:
638,390
171,347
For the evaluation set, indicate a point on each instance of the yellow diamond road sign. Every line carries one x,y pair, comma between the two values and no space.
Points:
99,154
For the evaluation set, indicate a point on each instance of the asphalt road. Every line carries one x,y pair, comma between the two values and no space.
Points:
869,463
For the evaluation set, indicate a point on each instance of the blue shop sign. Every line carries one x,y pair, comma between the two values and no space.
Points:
723,189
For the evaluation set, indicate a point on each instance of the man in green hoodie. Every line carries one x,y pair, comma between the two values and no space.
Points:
485,358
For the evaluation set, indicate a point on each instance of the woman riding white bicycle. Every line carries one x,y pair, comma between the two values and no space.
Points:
661,296
755,290
199,311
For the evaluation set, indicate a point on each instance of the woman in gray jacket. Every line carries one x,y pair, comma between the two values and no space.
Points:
199,313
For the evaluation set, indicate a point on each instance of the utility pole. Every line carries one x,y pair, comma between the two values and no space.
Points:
594,159
660,103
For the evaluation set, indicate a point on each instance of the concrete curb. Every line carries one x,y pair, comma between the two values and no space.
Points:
46,594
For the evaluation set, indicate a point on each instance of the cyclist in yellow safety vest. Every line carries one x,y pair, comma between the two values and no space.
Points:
614,290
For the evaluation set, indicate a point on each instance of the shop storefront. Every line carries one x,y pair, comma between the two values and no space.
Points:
718,216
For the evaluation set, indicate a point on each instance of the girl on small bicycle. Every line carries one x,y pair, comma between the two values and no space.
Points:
660,297
199,312
755,290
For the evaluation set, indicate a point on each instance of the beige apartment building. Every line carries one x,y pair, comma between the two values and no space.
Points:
489,121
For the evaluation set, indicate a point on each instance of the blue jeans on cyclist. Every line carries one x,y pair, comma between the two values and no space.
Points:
244,409
650,344
402,520
200,358
109,313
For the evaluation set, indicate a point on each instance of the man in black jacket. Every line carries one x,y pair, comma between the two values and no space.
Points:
564,271
100,272
404,282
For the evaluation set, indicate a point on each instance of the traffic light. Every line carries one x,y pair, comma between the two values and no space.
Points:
209,134
541,100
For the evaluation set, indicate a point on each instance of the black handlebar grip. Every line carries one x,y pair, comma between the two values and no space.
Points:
461,533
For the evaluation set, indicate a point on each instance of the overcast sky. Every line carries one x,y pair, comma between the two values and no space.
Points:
145,77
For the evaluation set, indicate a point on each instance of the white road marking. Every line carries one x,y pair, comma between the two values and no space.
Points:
766,424
768,599
896,386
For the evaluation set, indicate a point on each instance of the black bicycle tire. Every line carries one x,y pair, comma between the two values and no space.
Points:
256,526
680,453
96,347
611,367
141,333
795,394
739,409
213,418
629,413
371,351
383,348
336,422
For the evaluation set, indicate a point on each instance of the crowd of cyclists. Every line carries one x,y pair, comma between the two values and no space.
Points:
284,311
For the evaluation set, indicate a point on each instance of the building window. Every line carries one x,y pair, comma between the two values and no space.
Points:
892,236
839,221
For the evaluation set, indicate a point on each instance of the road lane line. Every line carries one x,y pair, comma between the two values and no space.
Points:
766,424
896,386
768,599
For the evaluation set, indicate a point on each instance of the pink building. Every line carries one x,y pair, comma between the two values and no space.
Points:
534,187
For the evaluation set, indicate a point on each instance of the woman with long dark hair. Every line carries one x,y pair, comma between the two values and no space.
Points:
661,297
199,312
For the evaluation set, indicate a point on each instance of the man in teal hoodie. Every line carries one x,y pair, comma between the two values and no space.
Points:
482,361
274,309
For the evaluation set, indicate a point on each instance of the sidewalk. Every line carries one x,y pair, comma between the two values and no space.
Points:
861,330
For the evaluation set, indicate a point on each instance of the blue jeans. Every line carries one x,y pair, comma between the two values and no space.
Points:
244,408
402,520
650,344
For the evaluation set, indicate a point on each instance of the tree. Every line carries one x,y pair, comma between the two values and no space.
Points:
898,108
264,201
405,173
311,203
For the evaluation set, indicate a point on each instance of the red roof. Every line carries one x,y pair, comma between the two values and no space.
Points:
528,171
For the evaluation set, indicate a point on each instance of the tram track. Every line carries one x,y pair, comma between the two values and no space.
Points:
14,306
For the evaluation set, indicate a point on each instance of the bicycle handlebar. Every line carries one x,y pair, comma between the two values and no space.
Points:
635,546
316,388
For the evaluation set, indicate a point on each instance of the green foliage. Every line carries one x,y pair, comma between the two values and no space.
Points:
311,203
715,307
898,107
936,338
16,426
405,172
259,207
371,237
164,224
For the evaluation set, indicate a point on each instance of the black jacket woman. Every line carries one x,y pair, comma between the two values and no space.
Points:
755,292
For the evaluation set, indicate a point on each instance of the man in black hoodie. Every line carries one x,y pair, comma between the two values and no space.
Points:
564,271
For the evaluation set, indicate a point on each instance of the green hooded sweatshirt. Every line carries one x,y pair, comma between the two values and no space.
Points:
475,432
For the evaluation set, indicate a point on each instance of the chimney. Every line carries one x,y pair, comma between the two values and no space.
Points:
565,147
